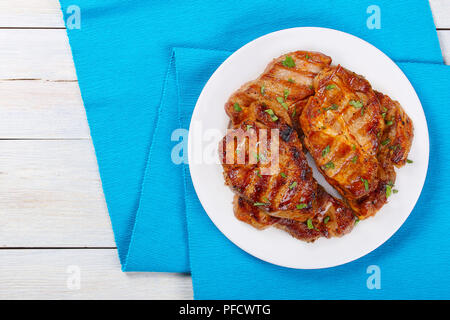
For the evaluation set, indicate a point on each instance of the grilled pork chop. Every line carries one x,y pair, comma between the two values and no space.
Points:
356,137
289,198
283,87
275,176
342,123
394,147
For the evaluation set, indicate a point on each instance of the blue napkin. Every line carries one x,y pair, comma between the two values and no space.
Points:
128,74
413,263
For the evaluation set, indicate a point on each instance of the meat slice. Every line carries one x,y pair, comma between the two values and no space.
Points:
286,81
342,123
263,162
396,141
398,133
285,194
333,219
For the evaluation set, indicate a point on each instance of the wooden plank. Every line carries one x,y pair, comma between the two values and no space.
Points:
444,39
35,54
441,13
53,274
47,13
41,110
31,13
51,195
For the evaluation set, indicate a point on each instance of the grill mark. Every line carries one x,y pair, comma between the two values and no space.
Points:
260,188
275,190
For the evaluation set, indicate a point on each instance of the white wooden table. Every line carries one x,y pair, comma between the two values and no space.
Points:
54,225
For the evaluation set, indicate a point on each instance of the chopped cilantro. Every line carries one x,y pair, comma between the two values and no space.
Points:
310,224
366,184
271,114
289,62
332,107
328,165
356,104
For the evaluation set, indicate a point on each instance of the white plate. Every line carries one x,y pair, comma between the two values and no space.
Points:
276,246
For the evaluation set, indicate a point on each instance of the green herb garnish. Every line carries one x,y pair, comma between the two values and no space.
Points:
302,206
289,62
263,89
237,107
286,94
330,86
329,165
310,224
409,161
385,142
354,159
389,123
291,80
356,104
327,218
332,107
281,101
271,114
293,184
257,204
283,175
325,151
388,191
366,184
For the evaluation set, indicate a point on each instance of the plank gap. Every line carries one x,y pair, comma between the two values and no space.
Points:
44,139
33,28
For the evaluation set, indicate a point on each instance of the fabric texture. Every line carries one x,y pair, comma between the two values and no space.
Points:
413,262
140,70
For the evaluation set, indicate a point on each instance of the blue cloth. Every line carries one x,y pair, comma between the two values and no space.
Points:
137,89
413,263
